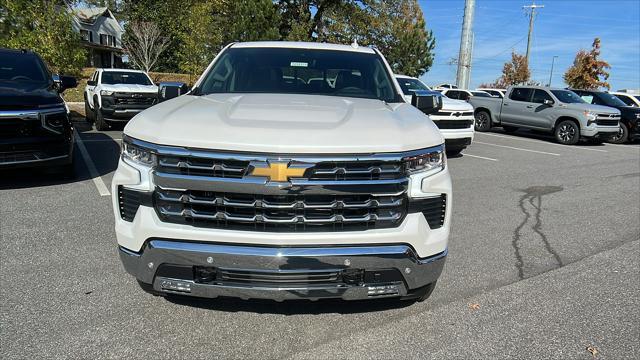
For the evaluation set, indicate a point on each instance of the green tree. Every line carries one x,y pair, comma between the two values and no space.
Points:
44,27
203,41
396,27
588,71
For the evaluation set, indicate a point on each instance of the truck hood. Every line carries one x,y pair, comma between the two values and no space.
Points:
132,88
25,95
285,123
590,107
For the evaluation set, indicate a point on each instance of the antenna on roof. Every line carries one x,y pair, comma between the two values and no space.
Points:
354,44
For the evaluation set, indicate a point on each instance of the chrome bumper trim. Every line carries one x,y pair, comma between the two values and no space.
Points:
417,272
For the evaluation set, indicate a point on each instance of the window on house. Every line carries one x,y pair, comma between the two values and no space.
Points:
85,35
108,40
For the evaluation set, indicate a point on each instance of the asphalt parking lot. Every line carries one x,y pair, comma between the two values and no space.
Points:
543,263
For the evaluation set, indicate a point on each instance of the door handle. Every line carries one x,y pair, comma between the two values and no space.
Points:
529,106
505,104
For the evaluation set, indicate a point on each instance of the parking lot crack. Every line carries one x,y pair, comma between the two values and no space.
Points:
529,238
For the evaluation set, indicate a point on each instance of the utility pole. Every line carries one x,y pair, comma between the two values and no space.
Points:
532,15
466,45
551,73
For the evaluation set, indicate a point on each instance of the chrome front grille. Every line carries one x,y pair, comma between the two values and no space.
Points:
295,212
322,170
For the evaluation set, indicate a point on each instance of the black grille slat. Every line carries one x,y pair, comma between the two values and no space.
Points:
453,124
129,202
434,210
607,122
277,277
135,98
281,212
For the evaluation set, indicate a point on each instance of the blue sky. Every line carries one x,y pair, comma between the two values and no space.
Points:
561,28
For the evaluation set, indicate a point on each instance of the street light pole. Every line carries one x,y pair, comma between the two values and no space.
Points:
553,60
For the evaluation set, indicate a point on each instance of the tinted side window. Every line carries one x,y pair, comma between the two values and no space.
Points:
520,94
539,96
464,96
627,100
453,94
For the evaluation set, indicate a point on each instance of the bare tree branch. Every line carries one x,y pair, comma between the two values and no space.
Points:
144,43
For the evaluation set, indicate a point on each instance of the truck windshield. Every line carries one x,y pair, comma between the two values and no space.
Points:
300,71
408,86
611,100
567,97
132,78
22,68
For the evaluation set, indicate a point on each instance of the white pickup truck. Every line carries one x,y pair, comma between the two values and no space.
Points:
116,95
455,119
291,170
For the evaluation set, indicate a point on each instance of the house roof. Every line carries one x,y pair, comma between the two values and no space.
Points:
90,15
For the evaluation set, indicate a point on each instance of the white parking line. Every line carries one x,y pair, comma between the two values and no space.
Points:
516,148
541,142
479,157
97,180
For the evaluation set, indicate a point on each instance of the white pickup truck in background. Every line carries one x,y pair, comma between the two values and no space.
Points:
455,119
116,95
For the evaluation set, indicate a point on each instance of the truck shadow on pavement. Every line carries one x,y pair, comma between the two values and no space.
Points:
292,307
542,136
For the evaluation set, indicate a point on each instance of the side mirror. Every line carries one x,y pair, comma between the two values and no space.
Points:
91,82
548,102
426,102
170,90
64,82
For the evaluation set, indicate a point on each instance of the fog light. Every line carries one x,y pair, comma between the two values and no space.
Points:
383,290
175,285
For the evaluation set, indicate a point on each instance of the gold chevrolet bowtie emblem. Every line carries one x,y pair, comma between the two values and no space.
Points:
278,171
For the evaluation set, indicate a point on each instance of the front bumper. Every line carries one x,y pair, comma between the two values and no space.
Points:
281,273
599,131
123,107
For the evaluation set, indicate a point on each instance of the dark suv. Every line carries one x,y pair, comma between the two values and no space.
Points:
630,115
35,129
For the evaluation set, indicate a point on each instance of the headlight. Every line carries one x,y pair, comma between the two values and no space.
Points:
590,115
432,161
106,92
137,154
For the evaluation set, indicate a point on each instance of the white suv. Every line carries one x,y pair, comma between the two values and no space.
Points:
116,95
291,170
455,119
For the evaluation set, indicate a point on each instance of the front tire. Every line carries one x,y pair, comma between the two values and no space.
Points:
101,123
567,132
483,121
87,111
622,136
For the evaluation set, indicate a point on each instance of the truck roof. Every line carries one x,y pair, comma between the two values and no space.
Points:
120,70
303,45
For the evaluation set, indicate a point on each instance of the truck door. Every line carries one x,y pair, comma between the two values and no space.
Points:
542,110
516,109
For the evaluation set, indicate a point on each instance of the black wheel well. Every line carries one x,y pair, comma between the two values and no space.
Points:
563,118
